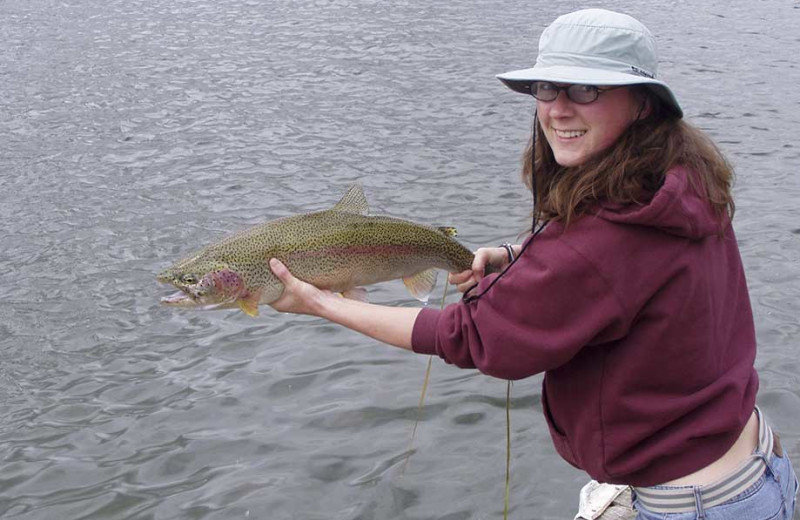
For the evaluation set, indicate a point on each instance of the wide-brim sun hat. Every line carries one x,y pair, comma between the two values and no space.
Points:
595,47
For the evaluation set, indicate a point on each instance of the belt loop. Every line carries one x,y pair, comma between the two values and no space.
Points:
765,442
767,458
698,503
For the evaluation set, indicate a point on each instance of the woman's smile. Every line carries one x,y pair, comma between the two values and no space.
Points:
569,134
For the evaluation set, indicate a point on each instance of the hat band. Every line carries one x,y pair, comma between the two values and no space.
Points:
565,59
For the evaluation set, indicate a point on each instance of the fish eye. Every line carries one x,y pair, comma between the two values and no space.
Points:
189,279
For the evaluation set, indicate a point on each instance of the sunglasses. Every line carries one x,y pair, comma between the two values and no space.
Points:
580,94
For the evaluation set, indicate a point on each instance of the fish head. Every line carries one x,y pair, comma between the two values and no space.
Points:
202,285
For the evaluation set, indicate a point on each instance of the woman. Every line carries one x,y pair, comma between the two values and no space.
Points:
630,295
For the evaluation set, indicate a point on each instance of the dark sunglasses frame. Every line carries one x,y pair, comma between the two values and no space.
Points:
573,92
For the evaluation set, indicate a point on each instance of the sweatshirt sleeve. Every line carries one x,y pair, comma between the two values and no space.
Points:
548,305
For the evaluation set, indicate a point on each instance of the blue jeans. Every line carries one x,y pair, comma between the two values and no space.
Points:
772,497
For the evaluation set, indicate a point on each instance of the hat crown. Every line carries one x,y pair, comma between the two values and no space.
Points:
599,39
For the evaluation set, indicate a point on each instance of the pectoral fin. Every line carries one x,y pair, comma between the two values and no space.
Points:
249,303
421,284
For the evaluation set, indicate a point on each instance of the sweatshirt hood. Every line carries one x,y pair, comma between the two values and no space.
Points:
677,208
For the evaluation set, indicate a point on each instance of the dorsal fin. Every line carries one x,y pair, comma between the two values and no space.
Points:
353,201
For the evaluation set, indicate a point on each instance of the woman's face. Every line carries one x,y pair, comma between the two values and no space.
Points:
576,132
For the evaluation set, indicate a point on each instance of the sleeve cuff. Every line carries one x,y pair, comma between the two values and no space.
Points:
423,335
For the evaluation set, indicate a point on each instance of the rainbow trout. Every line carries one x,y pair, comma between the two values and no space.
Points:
340,249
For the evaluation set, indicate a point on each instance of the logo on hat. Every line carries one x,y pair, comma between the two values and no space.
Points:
640,72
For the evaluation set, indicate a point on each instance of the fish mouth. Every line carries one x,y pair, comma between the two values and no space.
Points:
187,299
179,298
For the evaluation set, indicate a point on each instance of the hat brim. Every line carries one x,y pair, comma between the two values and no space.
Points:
520,80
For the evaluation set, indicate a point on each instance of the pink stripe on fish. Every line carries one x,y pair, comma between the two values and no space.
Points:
397,250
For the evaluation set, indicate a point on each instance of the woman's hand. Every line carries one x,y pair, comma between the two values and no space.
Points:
494,256
298,297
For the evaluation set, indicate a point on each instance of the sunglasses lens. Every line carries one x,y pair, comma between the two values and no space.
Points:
544,90
582,93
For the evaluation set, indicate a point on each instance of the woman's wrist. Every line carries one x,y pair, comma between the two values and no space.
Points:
509,250
324,304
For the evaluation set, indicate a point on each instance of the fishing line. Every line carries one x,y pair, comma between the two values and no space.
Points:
467,298
421,398
508,449
508,425
535,230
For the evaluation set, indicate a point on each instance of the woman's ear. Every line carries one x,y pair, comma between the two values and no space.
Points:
645,97
645,109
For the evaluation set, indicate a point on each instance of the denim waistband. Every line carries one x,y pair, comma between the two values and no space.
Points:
683,499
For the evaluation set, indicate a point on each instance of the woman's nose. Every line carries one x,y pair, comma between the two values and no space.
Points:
561,105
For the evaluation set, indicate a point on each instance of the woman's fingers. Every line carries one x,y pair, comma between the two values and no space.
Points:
479,264
464,287
463,280
459,278
279,270
298,296
495,256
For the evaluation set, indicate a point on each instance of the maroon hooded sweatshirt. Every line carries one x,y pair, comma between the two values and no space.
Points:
640,318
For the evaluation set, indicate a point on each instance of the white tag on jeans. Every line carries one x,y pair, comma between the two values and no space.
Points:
595,499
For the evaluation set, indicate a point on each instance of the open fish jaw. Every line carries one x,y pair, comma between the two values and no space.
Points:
179,299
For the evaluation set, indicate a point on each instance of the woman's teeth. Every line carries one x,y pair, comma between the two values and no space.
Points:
570,134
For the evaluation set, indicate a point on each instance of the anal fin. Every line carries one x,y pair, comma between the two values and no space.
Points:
421,284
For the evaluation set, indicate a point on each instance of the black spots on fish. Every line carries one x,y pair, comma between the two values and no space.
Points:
796,231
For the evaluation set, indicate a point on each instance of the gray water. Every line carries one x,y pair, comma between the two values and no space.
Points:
134,131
